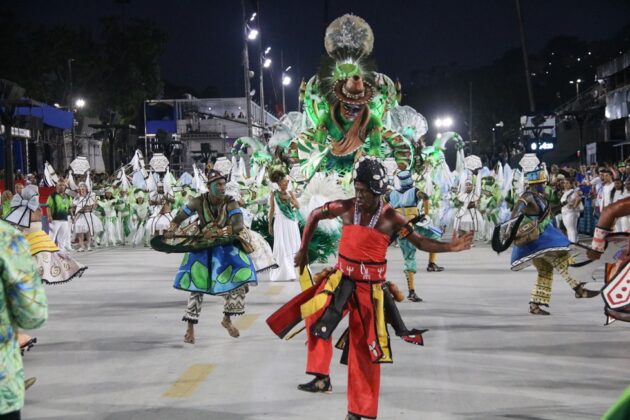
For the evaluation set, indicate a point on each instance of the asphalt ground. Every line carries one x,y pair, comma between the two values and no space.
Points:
113,349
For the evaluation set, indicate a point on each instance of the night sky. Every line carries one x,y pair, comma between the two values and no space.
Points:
205,38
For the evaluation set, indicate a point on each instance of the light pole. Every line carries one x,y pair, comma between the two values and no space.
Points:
248,34
69,102
78,105
70,60
265,63
286,81
577,86
528,78
494,136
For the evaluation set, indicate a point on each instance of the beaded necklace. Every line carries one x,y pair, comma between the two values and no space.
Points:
375,217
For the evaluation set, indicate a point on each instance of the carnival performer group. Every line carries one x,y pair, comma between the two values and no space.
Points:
345,179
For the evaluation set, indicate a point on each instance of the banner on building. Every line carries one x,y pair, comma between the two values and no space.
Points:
538,132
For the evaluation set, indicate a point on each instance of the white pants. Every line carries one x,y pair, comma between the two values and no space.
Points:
60,233
570,220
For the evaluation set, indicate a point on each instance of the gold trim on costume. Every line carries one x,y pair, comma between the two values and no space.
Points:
319,300
381,327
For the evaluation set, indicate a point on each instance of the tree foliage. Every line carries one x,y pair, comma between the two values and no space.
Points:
115,67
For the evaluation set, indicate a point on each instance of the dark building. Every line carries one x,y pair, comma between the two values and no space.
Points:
595,126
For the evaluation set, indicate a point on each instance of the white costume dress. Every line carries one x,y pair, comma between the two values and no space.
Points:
469,219
54,267
160,219
286,241
571,209
262,255
85,220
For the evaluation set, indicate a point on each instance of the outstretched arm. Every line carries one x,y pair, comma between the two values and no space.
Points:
329,210
613,211
606,221
407,231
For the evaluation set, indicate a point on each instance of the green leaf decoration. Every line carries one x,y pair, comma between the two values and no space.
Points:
184,281
242,275
243,256
200,276
186,257
225,275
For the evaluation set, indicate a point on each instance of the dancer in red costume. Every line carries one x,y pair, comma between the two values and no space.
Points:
355,287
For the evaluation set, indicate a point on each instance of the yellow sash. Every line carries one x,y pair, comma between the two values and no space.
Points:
318,301
381,327
306,278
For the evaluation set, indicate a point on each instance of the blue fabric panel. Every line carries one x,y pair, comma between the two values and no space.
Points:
550,238
170,126
51,116
19,157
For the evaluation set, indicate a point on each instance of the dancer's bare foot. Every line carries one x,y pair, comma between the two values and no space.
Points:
29,382
232,330
189,337
23,339
26,342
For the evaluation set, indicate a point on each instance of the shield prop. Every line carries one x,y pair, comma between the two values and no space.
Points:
616,292
504,234
585,269
186,239
614,268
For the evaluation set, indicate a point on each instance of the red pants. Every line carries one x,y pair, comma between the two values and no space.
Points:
364,375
